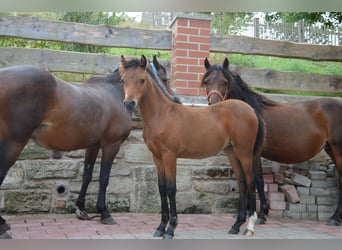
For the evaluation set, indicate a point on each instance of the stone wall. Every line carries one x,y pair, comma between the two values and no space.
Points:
40,183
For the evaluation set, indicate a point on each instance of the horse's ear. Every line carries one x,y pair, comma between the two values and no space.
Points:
225,63
155,62
123,59
206,63
143,61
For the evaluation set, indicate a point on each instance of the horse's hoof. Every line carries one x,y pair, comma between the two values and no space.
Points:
167,237
158,233
108,221
333,223
4,227
233,231
5,235
56,154
82,215
260,221
248,232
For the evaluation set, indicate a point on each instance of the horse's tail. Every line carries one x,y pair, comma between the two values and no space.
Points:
260,136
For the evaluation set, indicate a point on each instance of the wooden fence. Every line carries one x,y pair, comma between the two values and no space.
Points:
102,35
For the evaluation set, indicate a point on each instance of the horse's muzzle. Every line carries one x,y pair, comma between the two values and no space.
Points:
130,105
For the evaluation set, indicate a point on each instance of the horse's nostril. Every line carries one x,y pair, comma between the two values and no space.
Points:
129,105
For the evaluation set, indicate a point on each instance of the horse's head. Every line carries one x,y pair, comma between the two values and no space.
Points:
133,76
216,81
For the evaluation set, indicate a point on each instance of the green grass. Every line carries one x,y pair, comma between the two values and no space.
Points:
280,64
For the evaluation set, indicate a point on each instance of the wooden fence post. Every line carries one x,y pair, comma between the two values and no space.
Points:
190,46
301,32
256,27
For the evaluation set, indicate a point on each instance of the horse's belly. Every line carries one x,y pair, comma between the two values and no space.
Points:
63,138
294,152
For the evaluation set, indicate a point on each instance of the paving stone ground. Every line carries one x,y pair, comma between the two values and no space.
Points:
142,226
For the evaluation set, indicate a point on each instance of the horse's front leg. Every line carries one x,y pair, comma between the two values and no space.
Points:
9,153
171,194
165,214
89,161
108,154
170,162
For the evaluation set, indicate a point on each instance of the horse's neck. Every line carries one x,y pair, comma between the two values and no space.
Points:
153,103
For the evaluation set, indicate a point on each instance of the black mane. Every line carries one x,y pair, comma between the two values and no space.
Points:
174,98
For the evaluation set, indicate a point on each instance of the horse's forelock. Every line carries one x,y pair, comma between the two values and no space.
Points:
212,68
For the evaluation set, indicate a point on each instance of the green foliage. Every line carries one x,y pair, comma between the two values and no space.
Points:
229,22
93,17
326,18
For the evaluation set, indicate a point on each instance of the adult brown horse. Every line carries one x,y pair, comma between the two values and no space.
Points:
172,131
63,116
295,131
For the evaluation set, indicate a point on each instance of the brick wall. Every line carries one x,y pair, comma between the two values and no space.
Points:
190,45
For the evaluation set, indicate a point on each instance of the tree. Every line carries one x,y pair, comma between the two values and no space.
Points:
231,23
327,18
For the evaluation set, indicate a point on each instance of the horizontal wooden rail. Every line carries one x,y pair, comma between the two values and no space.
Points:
100,35
255,46
63,61
90,63
109,36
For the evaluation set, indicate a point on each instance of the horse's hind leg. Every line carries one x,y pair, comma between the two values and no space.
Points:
336,156
242,211
336,218
89,162
259,183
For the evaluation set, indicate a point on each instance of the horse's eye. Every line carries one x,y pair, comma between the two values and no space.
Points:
205,81
142,81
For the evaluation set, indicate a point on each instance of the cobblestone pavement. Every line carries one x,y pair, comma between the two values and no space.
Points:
142,226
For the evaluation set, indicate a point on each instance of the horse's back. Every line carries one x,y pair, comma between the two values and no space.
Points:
331,106
26,82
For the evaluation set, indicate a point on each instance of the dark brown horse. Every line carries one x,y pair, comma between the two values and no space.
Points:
295,131
174,131
63,116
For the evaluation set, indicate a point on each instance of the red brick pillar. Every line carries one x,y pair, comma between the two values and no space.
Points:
190,45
